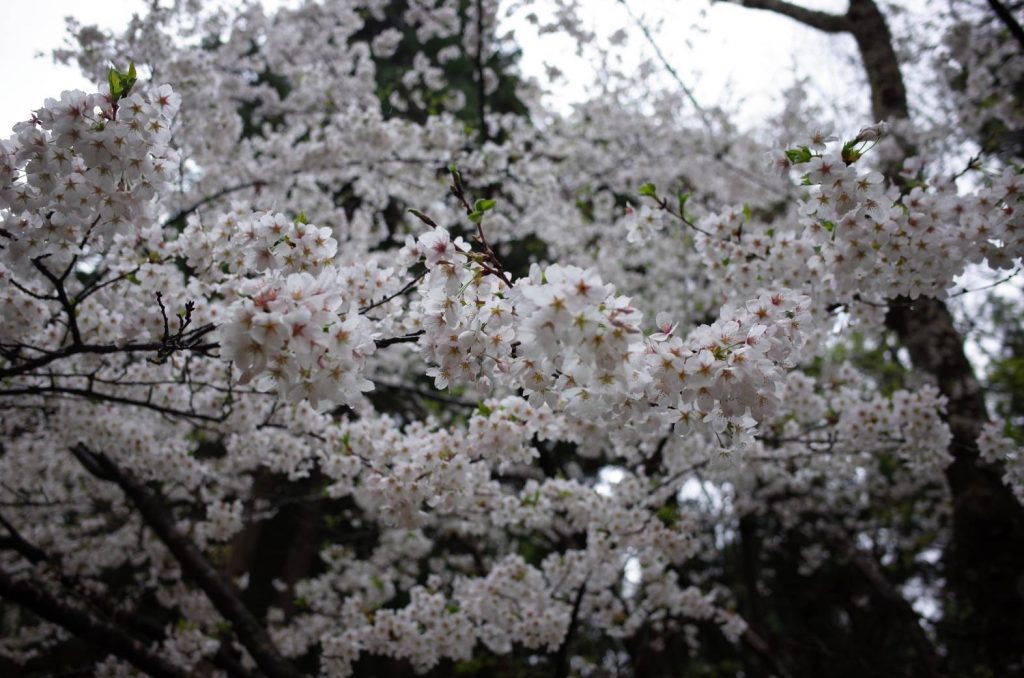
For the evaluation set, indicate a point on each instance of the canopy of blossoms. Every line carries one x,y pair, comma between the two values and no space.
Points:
478,368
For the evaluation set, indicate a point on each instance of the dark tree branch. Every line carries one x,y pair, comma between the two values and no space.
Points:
753,641
180,340
15,541
1004,14
408,287
98,284
194,565
89,394
875,43
212,197
405,339
823,21
561,660
481,88
873,574
62,296
426,393
87,626
190,342
151,630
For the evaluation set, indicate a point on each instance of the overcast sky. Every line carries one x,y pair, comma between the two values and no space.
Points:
751,54
34,26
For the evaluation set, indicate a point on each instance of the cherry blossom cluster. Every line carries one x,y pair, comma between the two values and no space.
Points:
516,603
539,465
258,242
982,65
292,330
860,239
997,448
423,478
465,317
82,169
728,375
408,477
566,339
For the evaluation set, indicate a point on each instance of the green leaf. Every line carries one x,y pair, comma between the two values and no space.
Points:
683,197
746,211
668,515
121,83
114,78
476,216
484,205
301,219
799,155
648,190
456,176
850,153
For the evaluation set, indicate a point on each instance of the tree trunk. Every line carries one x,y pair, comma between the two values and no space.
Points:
984,563
985,560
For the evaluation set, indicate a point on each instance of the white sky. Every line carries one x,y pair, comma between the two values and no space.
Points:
33,27
729,55
738,58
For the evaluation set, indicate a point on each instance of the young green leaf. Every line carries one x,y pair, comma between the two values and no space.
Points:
683,198
799,155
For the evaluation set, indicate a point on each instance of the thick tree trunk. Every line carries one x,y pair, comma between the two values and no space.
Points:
984,563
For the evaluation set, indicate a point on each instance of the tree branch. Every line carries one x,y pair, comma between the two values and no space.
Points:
1006,17
561,660
404,339
62,296
823,21
481,88
29,551
755,642
408,286
87,626
189,342
150,629
89,394
668,66
210,198
869,569
194,565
